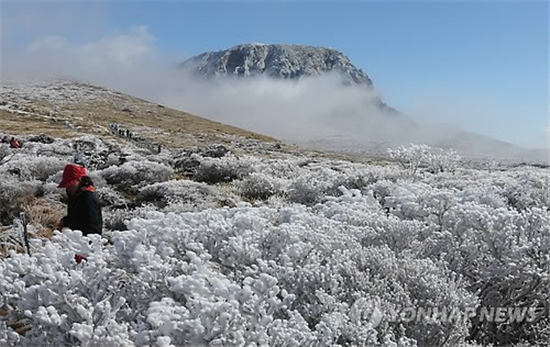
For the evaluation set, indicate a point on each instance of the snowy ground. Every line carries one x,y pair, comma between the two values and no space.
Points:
213,246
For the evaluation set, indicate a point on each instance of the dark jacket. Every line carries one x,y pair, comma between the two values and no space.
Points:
84,212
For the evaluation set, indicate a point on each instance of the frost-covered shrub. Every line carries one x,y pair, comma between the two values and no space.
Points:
259,186
440,160
305,190
26,167
347,181
405,200
117,218
215,151
481,195
12,194
50,191
381,190
5,154
61,149
68,315
412,157
528,190
217,170
501,251
337,175
42,138
187,165
164,158
110,197
44,167
192,194
279,168
139,173
97,178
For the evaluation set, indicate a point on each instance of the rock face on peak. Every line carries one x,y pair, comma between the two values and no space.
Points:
277,61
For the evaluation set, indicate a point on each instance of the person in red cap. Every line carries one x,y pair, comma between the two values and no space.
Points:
84,208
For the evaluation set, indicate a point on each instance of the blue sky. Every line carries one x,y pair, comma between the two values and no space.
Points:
481,65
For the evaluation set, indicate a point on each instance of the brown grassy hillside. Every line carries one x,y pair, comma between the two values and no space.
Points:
66,109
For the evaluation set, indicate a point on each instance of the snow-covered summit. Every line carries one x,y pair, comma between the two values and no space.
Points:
276,60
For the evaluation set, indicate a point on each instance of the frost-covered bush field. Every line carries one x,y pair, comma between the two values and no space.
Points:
278,249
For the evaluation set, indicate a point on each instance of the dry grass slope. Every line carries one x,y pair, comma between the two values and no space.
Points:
154,122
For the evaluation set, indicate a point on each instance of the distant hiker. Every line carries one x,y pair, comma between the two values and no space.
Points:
84,208
159,148
5,139
14,143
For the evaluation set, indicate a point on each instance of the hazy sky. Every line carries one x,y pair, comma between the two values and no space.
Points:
481,65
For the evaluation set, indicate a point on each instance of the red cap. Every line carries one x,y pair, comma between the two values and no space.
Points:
71,175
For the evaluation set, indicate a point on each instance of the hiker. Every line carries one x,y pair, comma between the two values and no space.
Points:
5,139
14,143
159,148
84,208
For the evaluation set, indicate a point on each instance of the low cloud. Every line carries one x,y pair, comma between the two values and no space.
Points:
314,107
101,60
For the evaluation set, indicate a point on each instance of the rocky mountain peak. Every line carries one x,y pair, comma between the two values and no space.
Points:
277,61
